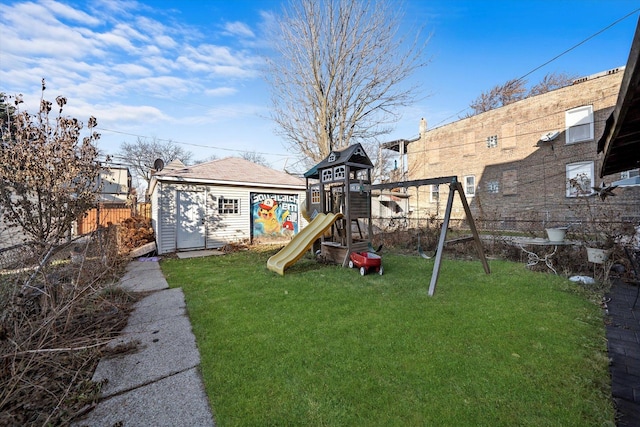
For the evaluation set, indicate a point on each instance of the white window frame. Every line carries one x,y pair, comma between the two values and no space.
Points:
469,182
584,173
579,124
315,195
327,175
228,206
629,174
434,193
339,172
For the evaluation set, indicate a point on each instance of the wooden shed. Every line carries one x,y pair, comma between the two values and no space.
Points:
227,200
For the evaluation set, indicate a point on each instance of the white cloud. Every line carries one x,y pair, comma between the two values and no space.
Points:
64,11
221,91
238,29
133,70
114,60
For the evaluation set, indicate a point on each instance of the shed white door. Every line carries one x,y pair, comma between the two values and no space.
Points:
191,217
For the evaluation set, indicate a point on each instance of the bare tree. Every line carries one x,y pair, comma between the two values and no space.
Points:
515,90
340,73
255,157
48,173
499,96
206,159
142,154
552,81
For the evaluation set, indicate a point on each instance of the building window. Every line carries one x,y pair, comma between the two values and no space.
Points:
470,185
315,195
492,141
579,179
435,193
327,175
629,174
332,158
579,124
228,206
493,187
339,172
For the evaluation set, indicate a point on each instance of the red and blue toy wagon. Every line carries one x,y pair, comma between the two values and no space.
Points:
366,261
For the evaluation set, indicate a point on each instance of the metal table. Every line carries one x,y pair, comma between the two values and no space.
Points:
534,256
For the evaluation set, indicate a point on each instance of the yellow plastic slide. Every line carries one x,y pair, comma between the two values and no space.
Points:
301,242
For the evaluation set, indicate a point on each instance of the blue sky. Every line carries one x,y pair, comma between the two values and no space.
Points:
189,71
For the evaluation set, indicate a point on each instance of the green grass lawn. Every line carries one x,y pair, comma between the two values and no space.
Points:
323,345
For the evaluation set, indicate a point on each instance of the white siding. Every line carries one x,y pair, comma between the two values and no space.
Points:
167,218
220,229
225,228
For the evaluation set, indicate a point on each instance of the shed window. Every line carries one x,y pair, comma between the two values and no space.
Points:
228,206
327,175
339,172
579,123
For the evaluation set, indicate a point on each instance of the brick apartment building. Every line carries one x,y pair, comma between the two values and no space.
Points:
516,162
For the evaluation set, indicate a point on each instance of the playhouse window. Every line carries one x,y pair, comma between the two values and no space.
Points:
493,187
228,206
339,172
315,196
332,158
362,174
327,175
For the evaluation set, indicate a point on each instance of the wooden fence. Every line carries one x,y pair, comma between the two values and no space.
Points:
102,216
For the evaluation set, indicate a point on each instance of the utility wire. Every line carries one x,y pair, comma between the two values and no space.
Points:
552,59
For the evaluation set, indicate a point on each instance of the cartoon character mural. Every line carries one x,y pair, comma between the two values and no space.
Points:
274,216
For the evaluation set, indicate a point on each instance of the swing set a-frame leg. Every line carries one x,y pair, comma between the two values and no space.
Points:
453,187
474,230
441,240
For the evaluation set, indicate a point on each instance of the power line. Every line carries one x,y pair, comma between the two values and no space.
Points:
192,144
554,58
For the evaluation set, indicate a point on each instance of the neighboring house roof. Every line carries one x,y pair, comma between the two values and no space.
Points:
620,141
353,154
231,171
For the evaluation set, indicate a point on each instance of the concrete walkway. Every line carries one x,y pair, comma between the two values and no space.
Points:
623,341
159,384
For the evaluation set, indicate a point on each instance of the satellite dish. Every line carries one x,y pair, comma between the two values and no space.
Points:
158,165
549,136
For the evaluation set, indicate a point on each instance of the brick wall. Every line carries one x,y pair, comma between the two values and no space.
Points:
520,180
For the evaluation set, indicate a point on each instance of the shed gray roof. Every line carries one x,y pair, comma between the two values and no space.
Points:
232,170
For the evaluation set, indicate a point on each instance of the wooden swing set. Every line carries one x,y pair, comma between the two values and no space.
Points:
454,186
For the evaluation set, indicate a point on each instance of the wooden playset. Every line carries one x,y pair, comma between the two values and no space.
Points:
339,207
